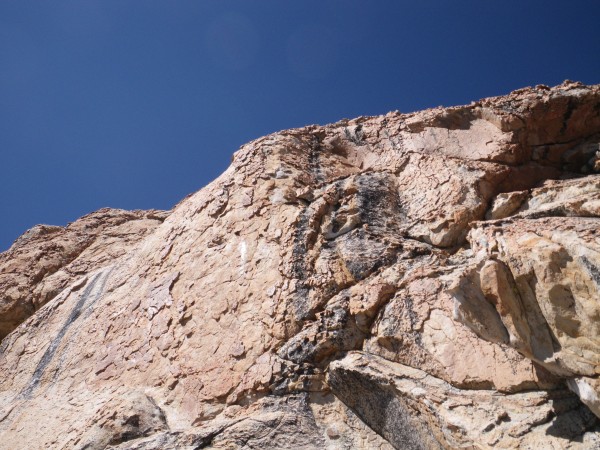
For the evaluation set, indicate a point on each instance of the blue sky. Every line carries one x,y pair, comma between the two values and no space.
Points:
134,104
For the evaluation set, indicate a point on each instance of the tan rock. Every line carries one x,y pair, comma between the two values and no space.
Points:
43,261
549,271
218,324
588,390
415,410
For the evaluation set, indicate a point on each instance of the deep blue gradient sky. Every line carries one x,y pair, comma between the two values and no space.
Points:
134,104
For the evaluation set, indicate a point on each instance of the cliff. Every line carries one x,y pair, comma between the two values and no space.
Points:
414,281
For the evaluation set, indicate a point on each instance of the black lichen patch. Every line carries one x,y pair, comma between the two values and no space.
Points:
364,253
379,203
300,266
592,270
357,228
382,409
314,159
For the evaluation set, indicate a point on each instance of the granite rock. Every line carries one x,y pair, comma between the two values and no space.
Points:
423,280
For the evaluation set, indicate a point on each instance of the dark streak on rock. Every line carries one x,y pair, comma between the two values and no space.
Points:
299,266
592,270
571,106
390,415
314,159
80,306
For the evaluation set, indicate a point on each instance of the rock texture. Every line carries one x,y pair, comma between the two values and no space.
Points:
425,280
46,259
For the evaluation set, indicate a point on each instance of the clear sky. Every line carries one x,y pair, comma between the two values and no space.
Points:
134,104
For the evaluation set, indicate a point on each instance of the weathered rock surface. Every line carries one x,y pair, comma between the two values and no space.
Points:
425,280
44,260
415,410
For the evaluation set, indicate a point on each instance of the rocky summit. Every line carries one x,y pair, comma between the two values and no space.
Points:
412,281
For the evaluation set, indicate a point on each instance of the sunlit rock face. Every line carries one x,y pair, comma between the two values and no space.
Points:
411,281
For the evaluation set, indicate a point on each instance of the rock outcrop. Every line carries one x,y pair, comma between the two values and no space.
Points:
424,280
46,259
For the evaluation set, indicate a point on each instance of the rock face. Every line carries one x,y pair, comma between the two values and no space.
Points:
413,281
46,259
